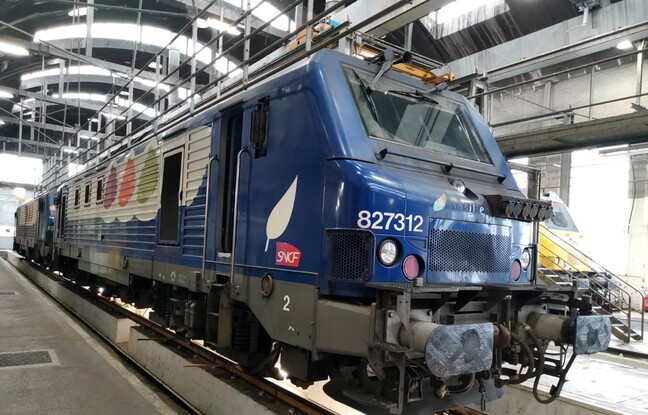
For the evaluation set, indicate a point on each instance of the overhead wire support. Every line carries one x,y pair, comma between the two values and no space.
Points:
111,124
286,63
130,79
234,88
246,45
174,88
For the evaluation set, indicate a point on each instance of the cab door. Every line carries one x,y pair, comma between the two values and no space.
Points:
170,197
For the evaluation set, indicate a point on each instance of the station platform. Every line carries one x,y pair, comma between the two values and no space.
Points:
634,348
612,383
50,363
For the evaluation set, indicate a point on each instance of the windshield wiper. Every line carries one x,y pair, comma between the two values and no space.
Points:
367,94
445,166
413,94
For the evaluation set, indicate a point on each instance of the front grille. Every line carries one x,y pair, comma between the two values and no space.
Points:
459,251
350,255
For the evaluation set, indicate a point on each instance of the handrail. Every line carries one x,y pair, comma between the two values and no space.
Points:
204,253
588,276
609,293
235,215
622,287
592,261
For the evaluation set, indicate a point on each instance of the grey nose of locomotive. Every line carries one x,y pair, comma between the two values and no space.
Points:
588,334
451,350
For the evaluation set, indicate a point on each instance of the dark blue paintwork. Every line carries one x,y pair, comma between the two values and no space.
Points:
316,135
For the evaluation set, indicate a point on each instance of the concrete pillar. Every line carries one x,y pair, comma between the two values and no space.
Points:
174,62
409,29
547,98
89,22
565,176
639,81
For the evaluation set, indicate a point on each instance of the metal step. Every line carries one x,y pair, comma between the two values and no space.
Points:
587,276
388,347
368,399
621,332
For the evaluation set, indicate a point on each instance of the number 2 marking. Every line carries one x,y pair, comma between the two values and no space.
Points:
287,300
379,218
418,219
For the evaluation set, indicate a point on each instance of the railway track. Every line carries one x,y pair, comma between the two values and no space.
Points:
266,390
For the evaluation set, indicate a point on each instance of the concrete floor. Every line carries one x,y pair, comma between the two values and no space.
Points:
84,376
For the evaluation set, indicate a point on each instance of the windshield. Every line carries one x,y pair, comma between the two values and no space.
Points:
561,220
398,113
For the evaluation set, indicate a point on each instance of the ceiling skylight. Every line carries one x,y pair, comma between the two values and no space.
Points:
82,96
148,35
12,49
266,12
461,7
75,70
76,12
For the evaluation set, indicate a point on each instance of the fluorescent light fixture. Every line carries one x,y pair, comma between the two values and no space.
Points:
266,12
222,65
2,122
223,27
136,107
460,8
94,119
625,45
13,49
202,23
152,84
74,168
87,137
123,93
75,70
147,35
82,96
5,94
111,116
70,151
28,113
81,11
152,65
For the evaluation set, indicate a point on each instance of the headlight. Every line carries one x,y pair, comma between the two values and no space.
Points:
525,259
388,252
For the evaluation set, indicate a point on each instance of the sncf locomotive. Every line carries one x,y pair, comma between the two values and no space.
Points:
352,221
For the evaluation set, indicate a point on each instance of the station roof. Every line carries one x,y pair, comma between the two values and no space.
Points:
63,83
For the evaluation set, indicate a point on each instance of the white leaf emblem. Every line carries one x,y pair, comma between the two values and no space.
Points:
281,214
440,203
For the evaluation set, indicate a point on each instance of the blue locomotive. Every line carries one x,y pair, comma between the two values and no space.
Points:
357,223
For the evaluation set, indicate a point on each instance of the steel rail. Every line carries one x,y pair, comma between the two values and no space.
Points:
212,358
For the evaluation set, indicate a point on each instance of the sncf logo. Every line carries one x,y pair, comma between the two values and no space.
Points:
287,255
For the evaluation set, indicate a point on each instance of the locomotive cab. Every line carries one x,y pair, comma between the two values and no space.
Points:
427,253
